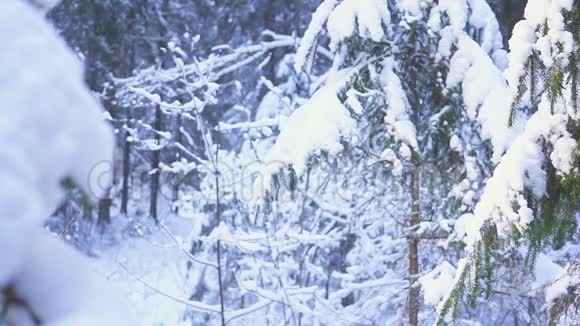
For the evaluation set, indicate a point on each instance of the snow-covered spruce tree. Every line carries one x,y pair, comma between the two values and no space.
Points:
385,155
532,201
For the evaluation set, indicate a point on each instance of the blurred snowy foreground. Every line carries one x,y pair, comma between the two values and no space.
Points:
50,129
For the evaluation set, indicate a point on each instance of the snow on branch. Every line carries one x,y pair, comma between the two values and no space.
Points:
315,27
368,15
503,202
252,124
525,40
215,66
485,92
182,249
325,119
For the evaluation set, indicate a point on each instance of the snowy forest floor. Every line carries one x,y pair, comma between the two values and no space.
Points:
140,260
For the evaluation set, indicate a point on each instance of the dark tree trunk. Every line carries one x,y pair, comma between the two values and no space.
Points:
104,211
155,166
218,217
126,170
178,176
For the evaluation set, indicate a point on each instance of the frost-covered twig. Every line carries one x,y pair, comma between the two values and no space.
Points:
151,77
249,125
185,251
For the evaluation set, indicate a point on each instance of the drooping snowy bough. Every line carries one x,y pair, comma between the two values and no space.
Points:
532,196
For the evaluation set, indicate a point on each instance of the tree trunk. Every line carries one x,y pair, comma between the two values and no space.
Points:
414,251
218,216
178,176
126,170
219,247
155,166
104,211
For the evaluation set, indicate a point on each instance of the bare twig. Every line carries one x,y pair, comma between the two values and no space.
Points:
69,224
